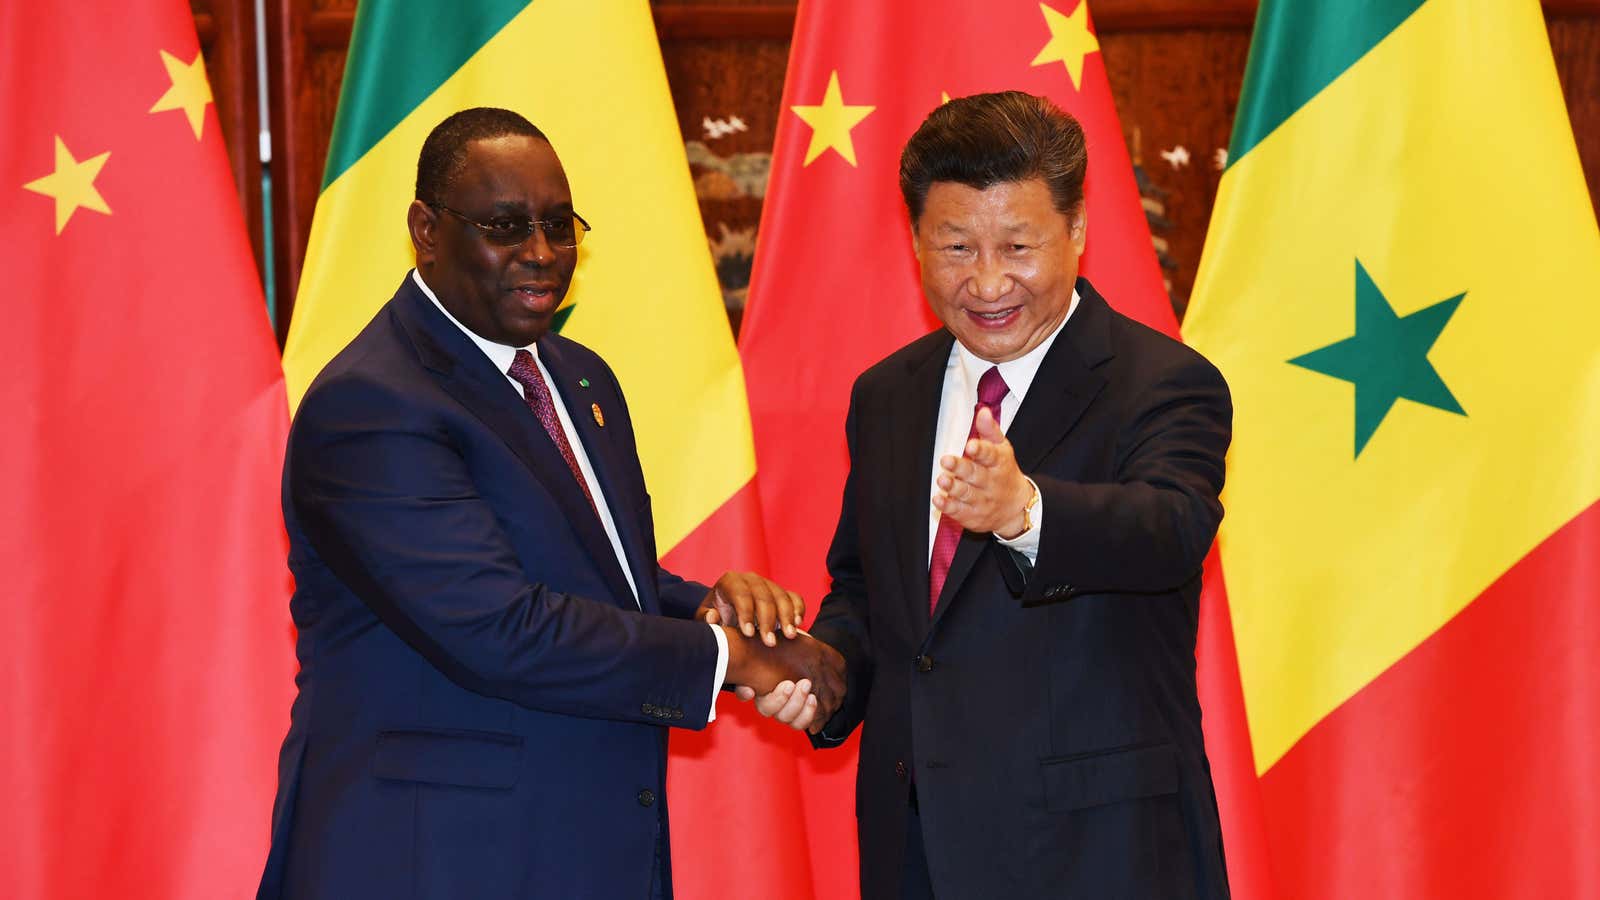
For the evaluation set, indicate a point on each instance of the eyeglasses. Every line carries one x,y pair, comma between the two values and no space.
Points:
510,231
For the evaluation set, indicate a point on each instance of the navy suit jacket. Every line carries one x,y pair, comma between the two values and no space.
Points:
482,706
1047,716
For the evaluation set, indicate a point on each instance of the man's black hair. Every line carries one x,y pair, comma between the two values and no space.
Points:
444,153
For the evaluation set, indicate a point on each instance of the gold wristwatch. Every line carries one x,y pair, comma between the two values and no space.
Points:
1027,510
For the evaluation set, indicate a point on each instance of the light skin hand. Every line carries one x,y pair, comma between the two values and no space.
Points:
753,604
983,490
790,703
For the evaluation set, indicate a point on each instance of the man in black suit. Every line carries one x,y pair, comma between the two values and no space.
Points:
1021,650
490,655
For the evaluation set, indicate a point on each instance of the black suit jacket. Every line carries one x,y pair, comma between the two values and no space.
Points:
482,704
1047,715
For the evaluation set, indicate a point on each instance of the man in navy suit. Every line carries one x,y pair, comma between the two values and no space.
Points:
1021,649
490,655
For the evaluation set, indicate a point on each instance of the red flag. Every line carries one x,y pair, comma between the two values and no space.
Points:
835,287
146,651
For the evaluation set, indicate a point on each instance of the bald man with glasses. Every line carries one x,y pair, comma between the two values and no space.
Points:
490,655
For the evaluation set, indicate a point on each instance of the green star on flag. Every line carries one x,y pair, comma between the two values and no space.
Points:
1387,358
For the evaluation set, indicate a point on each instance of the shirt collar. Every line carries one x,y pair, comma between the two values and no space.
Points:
499,354
1018,373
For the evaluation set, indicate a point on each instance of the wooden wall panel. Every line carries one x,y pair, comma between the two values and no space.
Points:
1175,69
227,31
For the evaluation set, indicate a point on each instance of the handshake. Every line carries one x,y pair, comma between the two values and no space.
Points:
790,674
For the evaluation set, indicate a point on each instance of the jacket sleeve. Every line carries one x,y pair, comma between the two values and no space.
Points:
388,504
1149,530
842,620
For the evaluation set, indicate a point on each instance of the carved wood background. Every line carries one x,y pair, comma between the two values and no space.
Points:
1175,68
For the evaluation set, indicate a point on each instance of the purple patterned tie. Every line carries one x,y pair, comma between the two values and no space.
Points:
991,390
537,395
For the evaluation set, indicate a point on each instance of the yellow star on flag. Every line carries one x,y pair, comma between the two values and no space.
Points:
1070,40
831,123
72,184
190,90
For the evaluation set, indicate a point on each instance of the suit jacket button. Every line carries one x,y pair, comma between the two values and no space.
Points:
924,663
900,769
648,709
647,797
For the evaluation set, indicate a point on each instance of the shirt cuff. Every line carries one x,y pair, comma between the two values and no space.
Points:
722,670
1027,543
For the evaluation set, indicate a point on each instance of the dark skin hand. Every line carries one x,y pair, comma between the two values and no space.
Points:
754,605
805,659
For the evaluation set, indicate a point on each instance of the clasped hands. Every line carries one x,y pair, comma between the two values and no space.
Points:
790,674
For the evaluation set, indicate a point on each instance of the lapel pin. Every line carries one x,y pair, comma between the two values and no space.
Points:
598,418
583,382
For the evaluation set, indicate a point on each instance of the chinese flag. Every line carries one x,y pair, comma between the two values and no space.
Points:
835,287
146,654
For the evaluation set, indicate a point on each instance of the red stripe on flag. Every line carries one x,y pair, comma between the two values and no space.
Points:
1467,769
733,789
1228,749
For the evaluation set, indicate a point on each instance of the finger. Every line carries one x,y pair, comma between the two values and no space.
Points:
799,604
807,716
737,597
797,703
770,704
983,453
785,617
766,607
987,427
711,616
744,693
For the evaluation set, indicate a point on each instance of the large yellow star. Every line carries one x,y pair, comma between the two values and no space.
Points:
190,90
72,184
831,123
1070,41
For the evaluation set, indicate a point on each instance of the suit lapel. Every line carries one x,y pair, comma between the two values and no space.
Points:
462,370
913,427
607,463
1062,390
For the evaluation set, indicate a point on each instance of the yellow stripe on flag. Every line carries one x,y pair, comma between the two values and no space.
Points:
1443,163
645,294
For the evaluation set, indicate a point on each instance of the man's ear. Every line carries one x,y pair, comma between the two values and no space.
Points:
1078,226
423,223
916,245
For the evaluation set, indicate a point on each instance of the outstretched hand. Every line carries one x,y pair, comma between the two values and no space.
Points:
983,490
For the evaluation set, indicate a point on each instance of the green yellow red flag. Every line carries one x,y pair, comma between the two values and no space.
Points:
1400,284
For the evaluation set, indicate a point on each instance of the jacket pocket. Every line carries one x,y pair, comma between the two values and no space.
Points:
1111,776
476,759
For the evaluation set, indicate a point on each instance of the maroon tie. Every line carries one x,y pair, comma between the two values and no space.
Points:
991,390
537,395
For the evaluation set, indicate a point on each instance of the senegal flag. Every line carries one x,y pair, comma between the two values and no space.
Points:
1402,286
645,296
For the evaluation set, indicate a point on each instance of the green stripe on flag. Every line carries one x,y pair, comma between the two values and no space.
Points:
1299,48
400,52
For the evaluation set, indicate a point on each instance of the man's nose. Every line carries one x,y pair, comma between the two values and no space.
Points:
991,280
536,249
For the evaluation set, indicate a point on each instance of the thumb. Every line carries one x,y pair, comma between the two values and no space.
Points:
987,427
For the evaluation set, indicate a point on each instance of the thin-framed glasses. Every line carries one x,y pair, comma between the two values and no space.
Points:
510,231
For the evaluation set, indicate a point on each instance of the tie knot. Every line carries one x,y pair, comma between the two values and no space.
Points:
524,371
992,389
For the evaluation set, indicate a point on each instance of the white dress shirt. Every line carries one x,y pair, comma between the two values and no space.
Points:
501,356
959,398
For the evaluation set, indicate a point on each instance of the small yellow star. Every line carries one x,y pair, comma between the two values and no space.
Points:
1070,40
944,97
190,90
831,123
72,184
